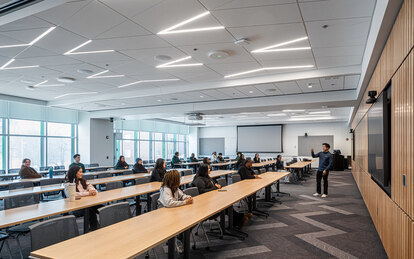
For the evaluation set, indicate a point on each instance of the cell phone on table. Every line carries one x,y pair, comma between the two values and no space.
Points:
222,190
77,198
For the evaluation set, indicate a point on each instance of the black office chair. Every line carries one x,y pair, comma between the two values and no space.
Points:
113,185
14,170
104,175
88,176
114,213
20,185
44,182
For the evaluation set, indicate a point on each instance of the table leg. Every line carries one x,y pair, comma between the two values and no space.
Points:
186,241
137,205
255,211
85,220
171,248
148,202
278,192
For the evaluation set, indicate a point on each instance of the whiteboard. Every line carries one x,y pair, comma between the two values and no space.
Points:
263,139
209,145
306,143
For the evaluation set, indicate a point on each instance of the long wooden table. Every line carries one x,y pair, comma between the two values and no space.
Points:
29,213
223,164
264,163
300,168
132,237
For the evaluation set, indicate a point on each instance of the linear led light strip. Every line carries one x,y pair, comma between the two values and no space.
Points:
273,47
69,94
267,68
170,64
32,42
72,51
149,81
171,30
98,75
42,84
6,66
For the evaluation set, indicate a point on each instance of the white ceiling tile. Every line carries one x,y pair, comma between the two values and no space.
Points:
268,89
203,76
250,91
326,62
101,57
303,84
282,56
341,32
60,41
92,20
135,68
24,36
289,87
125,29
357,50
215,94
148,55
50,60
231,92
288,62
264,15
336,9
199,38
29,22
127,43
198,96
34,51
248,3
228,68
130,8
214,4
61,13
351,82
332,83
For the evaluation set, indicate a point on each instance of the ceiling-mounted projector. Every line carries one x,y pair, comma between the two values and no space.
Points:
195,116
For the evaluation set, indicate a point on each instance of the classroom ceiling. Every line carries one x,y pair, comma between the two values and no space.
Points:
117,53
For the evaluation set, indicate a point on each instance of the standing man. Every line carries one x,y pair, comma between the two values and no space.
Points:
77,162
325,163
27,172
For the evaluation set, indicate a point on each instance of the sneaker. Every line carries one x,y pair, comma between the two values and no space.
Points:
316,194
324,195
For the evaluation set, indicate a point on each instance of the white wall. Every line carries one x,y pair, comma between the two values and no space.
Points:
339,130
84,141
193,140
101,142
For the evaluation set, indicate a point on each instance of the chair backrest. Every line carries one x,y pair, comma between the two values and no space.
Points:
15,170
50,181
53,231
154,200
142,180
88,176
20,185
104,175
2,171
222,182
114,185
94,165
86,165
44,168
60,167
192,191
21,200
114,213
256,171
187,172
262,170
101,169
127,172
235,178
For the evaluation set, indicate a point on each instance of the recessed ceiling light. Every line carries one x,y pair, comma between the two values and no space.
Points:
159,100
171,30
30,87
266,69
249,113
201,96
272,48
72,51
320,112
250,92
276,114
162,58
170,64
69,94
6,66
148,81
310,118
218,54
293,110
65,79
98,75
32,42
310,85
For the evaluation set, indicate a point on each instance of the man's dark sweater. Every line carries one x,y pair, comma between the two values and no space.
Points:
246,173
325,160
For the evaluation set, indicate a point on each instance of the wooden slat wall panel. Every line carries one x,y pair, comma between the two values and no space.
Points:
393,217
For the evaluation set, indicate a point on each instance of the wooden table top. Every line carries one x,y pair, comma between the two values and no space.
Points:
15,216
264,163
299,164
223,164
132,237
36,189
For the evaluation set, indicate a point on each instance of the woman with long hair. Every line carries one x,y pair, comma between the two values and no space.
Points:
170,194
256,158
83,188
121,164
159,171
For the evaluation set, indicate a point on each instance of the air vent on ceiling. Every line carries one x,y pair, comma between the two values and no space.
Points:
9,6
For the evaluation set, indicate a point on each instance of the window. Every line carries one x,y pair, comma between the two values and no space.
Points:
144,135
127,134
144,150
59,151
24,127
128,151
24,147
158,149
59,129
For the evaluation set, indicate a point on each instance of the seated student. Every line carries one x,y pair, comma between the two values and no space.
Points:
279,163
175,161
75,174
206,161
238,155
246,171
193,158
240,162
27,172
159,171
139,167
77,162
220,158
121,164
256,158
205,183
213,156
170,194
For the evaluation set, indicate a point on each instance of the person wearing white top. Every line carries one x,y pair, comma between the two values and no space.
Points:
83,188
170,195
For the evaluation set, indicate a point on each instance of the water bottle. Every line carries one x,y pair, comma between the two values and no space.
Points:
50,172
71,190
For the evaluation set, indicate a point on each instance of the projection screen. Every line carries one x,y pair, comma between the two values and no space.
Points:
262,139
